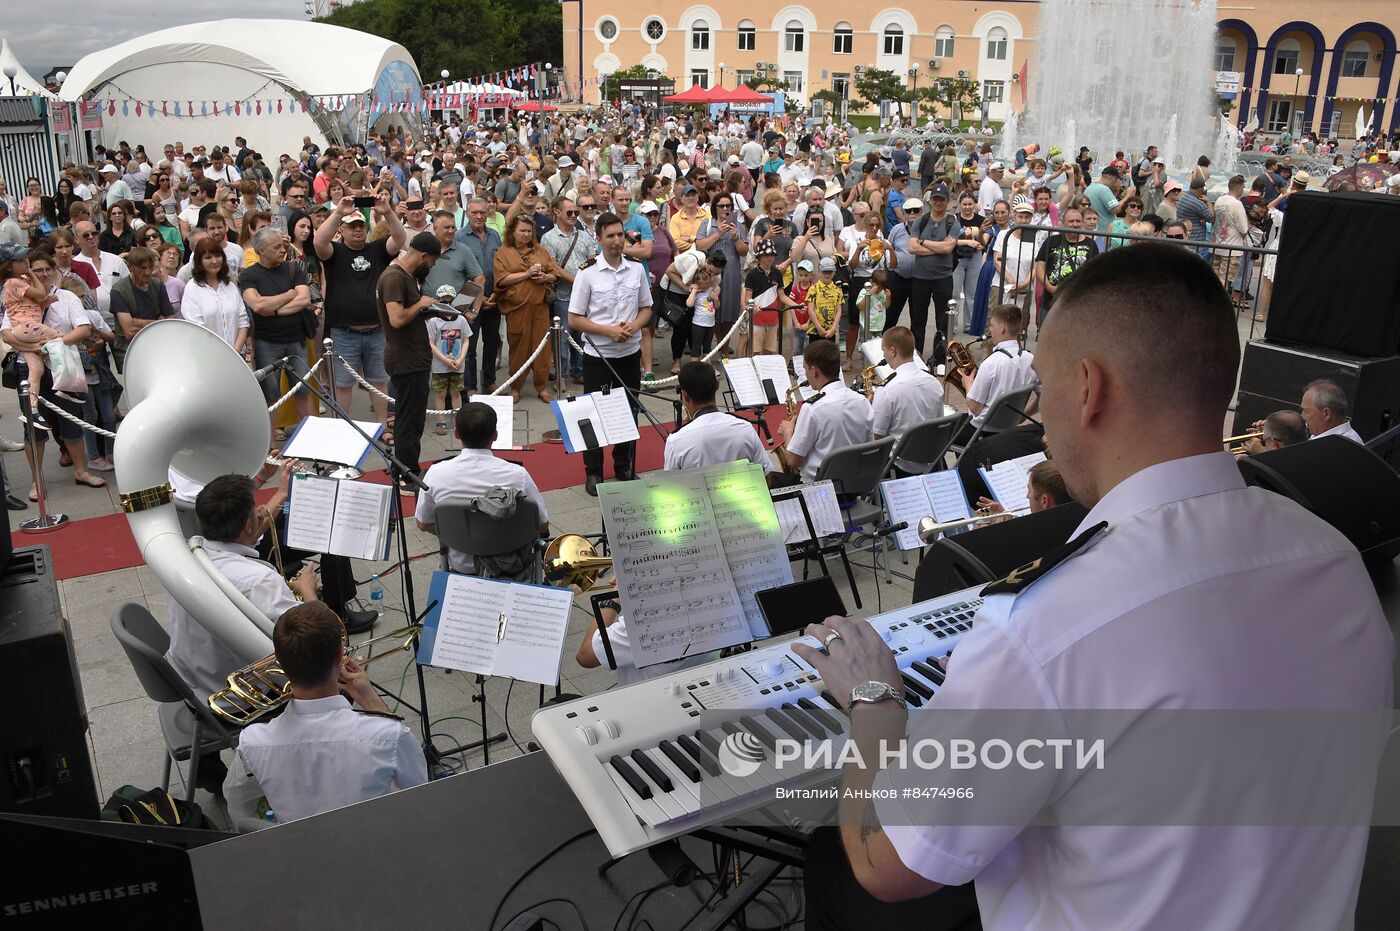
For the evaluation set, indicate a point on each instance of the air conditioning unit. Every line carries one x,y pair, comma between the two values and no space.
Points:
860,69
1015,78
962,73
761,73
933,64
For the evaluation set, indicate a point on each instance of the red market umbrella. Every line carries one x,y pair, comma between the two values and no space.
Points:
692,94
745,94
533,106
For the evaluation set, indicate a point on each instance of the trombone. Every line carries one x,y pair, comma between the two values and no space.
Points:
929,529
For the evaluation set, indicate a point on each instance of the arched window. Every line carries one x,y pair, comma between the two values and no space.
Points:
844,38
943,42
1354,59
699,35
1286,56
747,35
894,40
794,37
996,44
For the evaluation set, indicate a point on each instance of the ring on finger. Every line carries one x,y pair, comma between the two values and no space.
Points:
834,635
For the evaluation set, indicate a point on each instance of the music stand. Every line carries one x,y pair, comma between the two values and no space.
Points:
812,548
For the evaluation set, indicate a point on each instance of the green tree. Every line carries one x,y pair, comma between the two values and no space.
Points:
612,84
877,84
964,93
467,37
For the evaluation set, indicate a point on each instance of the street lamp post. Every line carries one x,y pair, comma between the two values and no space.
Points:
914,96
1297,77
720,81
10,72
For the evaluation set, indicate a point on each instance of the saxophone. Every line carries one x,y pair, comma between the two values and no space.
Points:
793,399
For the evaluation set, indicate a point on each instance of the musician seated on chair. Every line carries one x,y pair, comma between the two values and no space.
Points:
1006,368
911,395
592,654
1279,429
834,417
1325,410
319,754
473,473
711,436
1045,489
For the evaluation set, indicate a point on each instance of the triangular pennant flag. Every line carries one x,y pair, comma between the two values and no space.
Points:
177,108
259,110
203,108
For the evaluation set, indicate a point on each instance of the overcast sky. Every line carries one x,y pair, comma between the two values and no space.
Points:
47,34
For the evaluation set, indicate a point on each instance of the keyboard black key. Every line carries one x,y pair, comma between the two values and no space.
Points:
785,722
831,700
692,746
709,741
761,732
809,723
638,784
683,762
918,688
657,774
820,714
929,672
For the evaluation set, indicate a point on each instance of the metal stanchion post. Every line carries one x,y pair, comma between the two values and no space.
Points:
561,356
45,522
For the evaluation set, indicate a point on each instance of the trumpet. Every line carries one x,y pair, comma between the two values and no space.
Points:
1235,444
262,687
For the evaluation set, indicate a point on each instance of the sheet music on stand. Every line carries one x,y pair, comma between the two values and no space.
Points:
874,352
822,505
939,495
805,390
595,420
673,579
330,439
750,533
504,406
495,628
752,388
1007,480
339,516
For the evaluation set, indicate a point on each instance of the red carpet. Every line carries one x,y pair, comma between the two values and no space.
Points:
101,544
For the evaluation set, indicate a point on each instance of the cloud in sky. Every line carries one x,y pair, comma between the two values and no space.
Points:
43,35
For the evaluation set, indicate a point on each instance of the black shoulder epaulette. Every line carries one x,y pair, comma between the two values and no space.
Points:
379,714
589,264
1020,579
815,398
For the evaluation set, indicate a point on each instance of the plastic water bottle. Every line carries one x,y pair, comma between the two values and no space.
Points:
376,591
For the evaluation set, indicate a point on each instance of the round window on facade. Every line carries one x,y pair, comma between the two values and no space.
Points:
608,29
655,29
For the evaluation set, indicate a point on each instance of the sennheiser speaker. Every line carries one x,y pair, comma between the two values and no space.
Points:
1273,376
1340,481
1337,284
991,552
45,768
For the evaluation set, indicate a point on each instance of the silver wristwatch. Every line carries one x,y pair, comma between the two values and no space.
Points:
873,691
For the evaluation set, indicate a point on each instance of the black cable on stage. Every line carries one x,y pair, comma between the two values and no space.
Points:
490,925
569,902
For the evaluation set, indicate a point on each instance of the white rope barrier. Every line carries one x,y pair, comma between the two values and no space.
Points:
709,357
286,397
72,418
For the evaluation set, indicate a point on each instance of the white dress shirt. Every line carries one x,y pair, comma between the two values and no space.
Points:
197,655
470,475
1148,616
1006,368
219,310
911,397
987,195
610,296
712,438
320,754
1342,429
834,417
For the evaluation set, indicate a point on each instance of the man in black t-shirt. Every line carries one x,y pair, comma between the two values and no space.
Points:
138,300
353,267
276,293
407,354
1060,256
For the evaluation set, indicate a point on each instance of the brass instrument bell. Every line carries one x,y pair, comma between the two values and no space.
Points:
571,561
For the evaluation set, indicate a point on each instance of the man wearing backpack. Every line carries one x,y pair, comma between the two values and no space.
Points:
1143,172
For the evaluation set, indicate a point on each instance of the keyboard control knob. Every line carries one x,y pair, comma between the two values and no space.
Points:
887,635
673,689
587,734
771,667
609,727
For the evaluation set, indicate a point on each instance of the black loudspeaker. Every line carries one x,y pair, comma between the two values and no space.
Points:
1273,376
991,552
45,768
1340,481
7,544
1338,281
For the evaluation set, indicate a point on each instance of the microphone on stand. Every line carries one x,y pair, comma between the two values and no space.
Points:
271,367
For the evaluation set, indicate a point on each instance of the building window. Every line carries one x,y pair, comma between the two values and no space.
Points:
1354,60
1225,55
843,38
894,40
744,76
994,91
1286,57
699,35
841,84
794,39
793,80
655,29
700,76
943,42
607,30
747,36
1279,112
996,44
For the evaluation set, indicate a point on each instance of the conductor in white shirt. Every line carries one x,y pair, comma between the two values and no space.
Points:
1139,611
712,436
910,397
473,473
832,418
1326,412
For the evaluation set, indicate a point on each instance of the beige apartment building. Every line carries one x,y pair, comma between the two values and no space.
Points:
1296,63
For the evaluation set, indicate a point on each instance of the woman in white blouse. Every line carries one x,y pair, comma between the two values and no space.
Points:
211,298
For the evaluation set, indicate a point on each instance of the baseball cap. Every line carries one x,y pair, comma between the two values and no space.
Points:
1171,186
565,162
355,217
687,189
806,265
1023,207
108,168
939,190
899,173
996,166
733,159
827,265
714,174
648,206
322,208
426,243
912,203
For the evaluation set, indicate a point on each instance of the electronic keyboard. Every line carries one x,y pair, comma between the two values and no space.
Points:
661,758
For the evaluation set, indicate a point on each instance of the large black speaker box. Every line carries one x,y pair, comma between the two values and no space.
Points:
45,768
1340,481
6,542
1338,280
991,552
1273,376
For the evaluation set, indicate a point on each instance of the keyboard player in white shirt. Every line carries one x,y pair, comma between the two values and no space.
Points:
711,436
834,417
911,396
1139,611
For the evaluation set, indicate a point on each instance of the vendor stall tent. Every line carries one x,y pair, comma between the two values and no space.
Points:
270,81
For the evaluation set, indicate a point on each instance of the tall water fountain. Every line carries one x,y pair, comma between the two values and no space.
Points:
1123,71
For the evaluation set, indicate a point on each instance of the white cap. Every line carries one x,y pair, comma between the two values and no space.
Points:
715,174
108,168
649,206
996,166
565,162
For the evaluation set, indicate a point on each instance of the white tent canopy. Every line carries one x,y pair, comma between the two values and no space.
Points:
235,60
466,87
25,83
